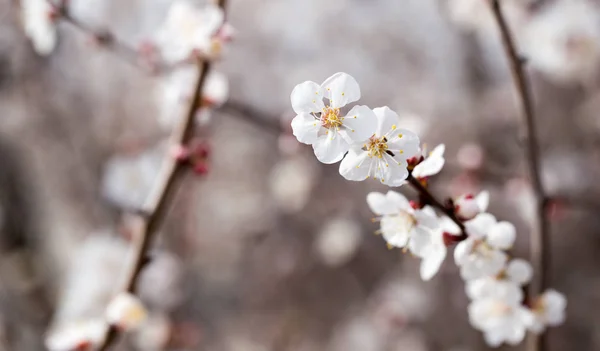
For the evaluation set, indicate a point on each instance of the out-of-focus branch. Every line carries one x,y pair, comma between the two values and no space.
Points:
539,237
252,115
169,180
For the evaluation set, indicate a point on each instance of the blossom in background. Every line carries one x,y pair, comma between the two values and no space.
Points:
402,226
468,206
432,249
38,22
321,124
292,181
548,310
126,311
431,165
501,320
476,15
176,89
81,335
563,41
338,241
481,254
188,29
508,285
384,155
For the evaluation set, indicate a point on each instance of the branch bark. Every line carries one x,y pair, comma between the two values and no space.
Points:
539,236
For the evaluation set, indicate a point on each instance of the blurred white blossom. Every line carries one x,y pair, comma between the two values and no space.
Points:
126,311
38,22
291,183
432,164
338,241
80,335
153,334
468,206
161,282
548,310
563,41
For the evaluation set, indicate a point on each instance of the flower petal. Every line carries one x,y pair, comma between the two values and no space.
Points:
307,97
386,119
359,124
341,89
502,235
356,165
483,200
420,241
330,148
394,171
438,151
404,143
400,202
431,264
305,128
430,166
519,271
463,250
380,204
480,225
426,219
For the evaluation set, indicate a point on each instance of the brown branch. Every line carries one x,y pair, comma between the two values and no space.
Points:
539,237
169,180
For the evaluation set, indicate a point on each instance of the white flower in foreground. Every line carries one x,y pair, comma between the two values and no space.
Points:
481,254
501,321
431,165
548,310
433,249
468,206
401,225
563,41
506,286
176,89
189,28
126,311
320,123
384,156
82,335
39,25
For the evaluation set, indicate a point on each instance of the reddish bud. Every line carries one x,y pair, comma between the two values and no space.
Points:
83,346
469,197
180,153
200,168
451,239
415,204
555,210
202,150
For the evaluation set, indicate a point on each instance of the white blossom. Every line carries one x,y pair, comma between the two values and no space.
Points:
79,335
401,225
338,241
500,320
39,25
126,311
384,156
481,254
505,286
548,310
563,41
176,89
320,123
188,28
432,249
431,165
468,206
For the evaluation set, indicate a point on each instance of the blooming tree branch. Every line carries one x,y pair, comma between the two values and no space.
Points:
540,241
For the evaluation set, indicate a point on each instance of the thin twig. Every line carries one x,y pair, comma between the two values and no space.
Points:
159,200
539,237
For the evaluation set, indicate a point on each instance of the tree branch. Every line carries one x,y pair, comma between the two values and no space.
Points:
164,190
539,237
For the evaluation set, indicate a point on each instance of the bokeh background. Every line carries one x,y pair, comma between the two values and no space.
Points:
272,250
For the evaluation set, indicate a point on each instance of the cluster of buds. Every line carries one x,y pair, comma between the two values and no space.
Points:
195,155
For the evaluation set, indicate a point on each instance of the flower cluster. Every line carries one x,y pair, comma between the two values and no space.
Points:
370,143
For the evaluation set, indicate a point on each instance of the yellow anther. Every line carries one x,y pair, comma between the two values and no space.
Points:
394,127
400,135
353,131
343,94
354,116
389,246
401,151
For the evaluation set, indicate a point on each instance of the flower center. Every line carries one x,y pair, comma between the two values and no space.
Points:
377,146
499,309
330,118
402,222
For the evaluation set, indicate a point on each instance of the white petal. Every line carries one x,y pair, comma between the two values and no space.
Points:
427,220
400,201
483,200
462,251
438,151
404,143
420,241
516,334
554,306
431,264
305,128
330,148
386,120
394,171
356,165
430,166
394,232
502,235
448,225
380,205
359,124
494,337
307,97
519,271
480,225
341,89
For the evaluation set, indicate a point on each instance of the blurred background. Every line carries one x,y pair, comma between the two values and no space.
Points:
271,250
